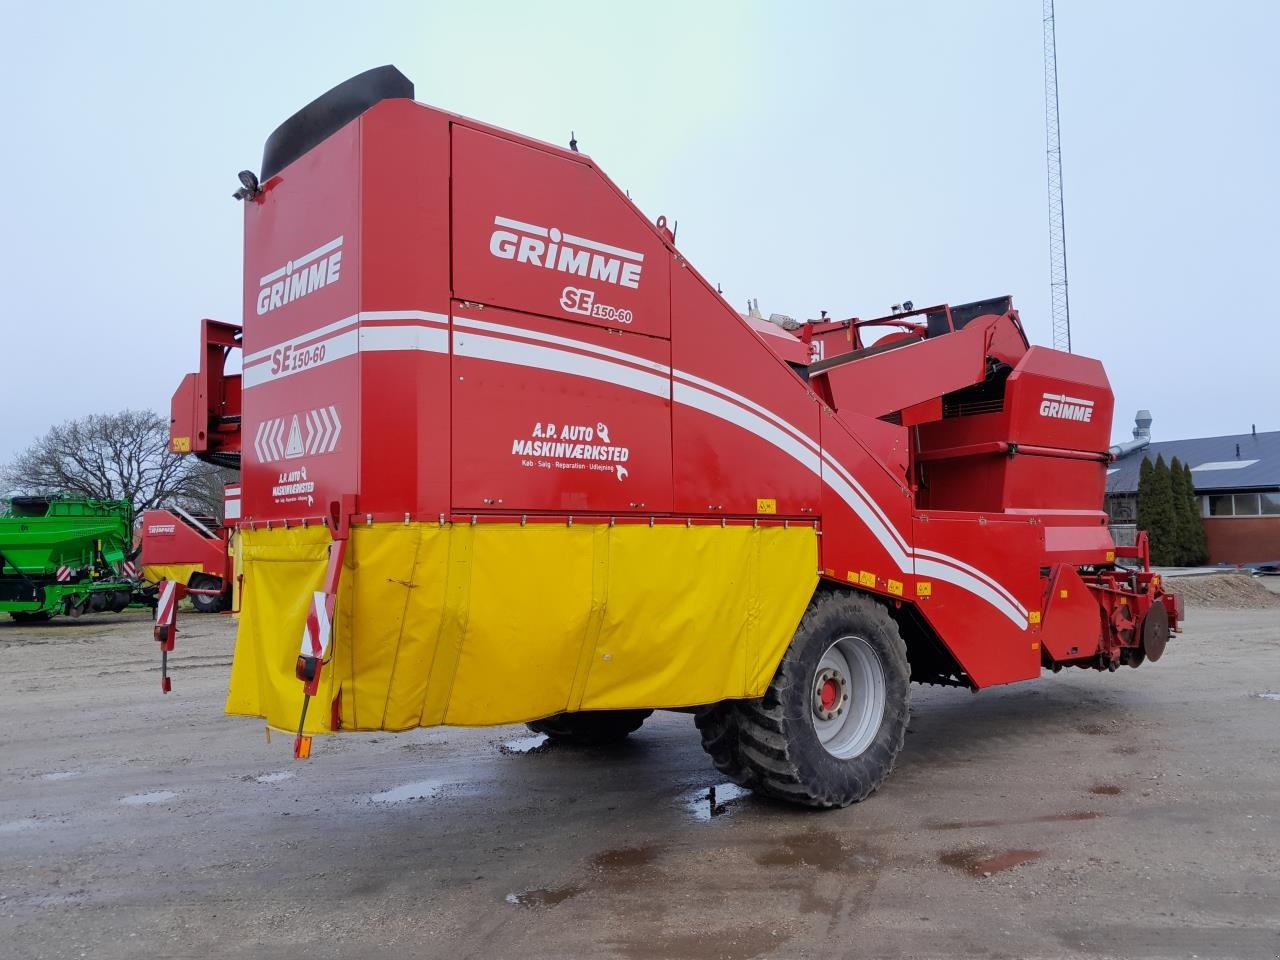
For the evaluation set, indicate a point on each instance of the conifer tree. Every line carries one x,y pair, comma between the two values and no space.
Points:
1197,550
1145,471
1156,513
1183,521
1165,522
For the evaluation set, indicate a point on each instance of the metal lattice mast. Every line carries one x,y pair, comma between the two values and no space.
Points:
1059,304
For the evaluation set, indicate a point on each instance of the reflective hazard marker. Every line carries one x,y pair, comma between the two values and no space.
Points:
315,642
166,629
315,636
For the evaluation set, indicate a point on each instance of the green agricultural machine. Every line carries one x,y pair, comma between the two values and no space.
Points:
64,555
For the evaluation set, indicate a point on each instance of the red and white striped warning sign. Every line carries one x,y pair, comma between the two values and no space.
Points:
63,574
128,569
165,605
315,635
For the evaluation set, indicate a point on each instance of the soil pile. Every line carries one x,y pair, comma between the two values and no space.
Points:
1231,590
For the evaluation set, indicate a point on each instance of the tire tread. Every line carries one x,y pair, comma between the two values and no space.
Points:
759,744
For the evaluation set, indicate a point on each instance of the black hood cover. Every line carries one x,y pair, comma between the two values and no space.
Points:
329,113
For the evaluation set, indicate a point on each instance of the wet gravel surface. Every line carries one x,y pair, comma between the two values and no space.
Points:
1135,814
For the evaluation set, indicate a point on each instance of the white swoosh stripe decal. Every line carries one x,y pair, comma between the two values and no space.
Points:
561,361
939,567
627,370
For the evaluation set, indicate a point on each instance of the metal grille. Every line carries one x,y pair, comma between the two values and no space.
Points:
972,407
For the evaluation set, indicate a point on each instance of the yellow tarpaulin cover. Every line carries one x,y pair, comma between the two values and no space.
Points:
177,572
501,623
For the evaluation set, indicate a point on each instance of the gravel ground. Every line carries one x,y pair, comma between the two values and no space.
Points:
1134,814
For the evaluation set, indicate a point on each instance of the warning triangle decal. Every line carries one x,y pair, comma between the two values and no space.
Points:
294,447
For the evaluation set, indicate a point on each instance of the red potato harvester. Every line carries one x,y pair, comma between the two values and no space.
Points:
195,552
508,457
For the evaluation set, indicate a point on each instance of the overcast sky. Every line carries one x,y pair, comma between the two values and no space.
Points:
839,156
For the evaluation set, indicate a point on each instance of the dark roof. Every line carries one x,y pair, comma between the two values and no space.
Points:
1259,460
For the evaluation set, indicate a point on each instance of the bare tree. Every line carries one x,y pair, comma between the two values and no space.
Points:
204,499
116,456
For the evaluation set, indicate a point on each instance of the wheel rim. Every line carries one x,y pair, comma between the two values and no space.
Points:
848,697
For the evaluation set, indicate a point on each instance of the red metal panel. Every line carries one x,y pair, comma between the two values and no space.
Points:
782,342
558,417
974,483
887,382
1082,540
404,302
1054,403
168,539
536,233
983,592
301,303
866,508
745,425
1072,626
187,418
1059,400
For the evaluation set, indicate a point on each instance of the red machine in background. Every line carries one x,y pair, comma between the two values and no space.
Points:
195,552
508,457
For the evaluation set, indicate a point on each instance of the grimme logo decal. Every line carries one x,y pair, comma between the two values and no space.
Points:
1061,407
550,249
160,528
322,267
571,447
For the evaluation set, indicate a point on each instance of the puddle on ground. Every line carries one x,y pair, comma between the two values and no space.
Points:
422,790
626,868
625,858
818,849
63,775
533,743
703,803
143,799
984,863
542,897
1106,790
1073,817
278,777
739,942
1268,695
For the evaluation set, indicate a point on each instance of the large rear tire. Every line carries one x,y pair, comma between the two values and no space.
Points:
831,724
203,602
719,727
595,728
